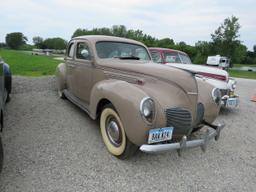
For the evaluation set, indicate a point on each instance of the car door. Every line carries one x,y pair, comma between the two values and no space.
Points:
70,65
83,71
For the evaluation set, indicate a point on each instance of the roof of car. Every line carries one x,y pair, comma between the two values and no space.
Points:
166,50
96,38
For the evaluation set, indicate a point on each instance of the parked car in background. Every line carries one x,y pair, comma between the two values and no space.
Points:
217,77
5,90
139,104
218,61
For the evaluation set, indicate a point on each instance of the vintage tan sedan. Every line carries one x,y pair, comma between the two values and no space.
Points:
139,104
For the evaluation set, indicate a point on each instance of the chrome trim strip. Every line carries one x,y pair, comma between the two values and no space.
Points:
192,93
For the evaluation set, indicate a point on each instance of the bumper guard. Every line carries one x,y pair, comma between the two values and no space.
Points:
213,132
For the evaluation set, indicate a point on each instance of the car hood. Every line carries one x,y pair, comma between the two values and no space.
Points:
181,78
199,68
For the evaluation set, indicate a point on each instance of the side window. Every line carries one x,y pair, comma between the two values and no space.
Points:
82,51
156,56
172,57
71,50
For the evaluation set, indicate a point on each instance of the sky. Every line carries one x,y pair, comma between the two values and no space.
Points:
188,21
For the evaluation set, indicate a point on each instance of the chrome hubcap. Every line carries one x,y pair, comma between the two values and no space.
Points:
114,132
59,93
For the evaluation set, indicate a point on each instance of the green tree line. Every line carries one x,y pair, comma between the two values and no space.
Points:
224,41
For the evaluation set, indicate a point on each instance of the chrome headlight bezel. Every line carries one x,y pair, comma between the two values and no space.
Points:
216,96
232,84
147,109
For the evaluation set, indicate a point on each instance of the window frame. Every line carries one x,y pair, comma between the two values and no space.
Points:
76,48
72,43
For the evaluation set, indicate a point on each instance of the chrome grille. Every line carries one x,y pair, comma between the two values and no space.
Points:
199,114
224,92
180,119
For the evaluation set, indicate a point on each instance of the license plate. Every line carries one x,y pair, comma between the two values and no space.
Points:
160,134
232,102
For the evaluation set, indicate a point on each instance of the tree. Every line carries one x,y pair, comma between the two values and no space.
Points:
2,45
54,43
225,38
15,40
165,42
203,50
119,30
254,48
38,41
225,41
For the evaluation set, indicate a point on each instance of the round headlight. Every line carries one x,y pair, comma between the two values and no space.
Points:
216,96
147,109
233,86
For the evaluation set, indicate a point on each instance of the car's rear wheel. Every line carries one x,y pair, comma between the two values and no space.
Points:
113,134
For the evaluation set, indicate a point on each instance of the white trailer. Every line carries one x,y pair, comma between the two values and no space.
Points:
218,61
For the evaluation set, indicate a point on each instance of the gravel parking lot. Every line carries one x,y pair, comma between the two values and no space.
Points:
51,145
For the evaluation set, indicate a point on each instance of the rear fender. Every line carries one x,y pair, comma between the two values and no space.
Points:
61,76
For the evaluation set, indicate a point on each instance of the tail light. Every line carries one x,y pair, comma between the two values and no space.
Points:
214,76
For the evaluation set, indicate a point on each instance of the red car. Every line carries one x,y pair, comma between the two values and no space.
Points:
215,76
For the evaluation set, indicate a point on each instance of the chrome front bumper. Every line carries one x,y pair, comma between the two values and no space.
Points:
211,133
225,100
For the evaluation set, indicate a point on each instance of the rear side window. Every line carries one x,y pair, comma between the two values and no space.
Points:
71,49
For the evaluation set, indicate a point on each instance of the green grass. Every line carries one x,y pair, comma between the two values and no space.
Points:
25,64
245,65
242,74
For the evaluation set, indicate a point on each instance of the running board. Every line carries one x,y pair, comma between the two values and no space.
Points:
76,101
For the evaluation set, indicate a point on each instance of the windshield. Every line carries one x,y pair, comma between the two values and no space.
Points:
121,50
185,59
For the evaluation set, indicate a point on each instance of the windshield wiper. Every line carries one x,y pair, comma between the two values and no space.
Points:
128,57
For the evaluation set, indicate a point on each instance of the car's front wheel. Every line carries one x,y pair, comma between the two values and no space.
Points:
113,134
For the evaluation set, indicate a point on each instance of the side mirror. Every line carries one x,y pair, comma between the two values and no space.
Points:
85,53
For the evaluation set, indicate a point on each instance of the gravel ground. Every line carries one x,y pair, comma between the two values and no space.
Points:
51,145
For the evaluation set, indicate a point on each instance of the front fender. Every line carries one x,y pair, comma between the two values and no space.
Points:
126,99
61,76
211,109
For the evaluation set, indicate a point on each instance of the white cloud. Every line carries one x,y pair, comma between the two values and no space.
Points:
187,21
